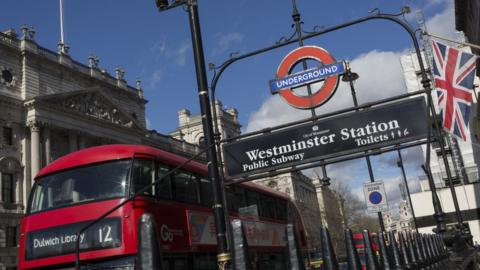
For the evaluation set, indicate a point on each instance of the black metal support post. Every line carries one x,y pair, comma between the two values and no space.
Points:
372,179
350,77
298,29
218,207
404,176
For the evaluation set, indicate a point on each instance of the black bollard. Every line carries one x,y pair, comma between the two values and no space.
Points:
404,250
411,250
384,258
329,258
370,257
352,254
294,256
437,246
241,258
435,253
418,248
397,258
443,249
426,251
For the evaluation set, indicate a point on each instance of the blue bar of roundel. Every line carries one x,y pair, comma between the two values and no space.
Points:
312,75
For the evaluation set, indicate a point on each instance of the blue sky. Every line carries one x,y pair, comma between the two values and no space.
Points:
156,48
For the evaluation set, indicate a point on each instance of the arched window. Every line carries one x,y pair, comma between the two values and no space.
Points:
10,170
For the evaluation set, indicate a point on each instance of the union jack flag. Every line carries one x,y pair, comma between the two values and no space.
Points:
454,72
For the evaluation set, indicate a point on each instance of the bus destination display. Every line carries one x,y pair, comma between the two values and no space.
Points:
61,240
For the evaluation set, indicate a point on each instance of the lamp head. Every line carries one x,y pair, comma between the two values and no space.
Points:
325,181
161,4
350,77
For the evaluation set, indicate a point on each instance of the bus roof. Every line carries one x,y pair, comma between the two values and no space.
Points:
103,153
110,152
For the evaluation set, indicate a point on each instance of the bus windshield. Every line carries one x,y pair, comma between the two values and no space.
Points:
82,184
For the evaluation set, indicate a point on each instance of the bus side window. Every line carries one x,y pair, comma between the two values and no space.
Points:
206,198
205,261
164,187
231,199
251,198
267,208
281,209
143,175
185,187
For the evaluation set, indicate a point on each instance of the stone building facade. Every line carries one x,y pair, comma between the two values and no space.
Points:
402,222
51,105
190,126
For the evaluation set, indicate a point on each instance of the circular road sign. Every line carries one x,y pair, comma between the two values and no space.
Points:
375,197
319,96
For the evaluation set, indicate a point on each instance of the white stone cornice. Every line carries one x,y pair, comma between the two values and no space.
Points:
30,104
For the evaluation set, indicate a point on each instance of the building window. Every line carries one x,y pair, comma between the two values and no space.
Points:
11,236
7,135
8,188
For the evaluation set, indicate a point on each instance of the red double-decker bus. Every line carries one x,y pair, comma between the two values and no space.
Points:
176,213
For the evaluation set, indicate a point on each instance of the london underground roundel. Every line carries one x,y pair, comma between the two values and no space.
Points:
329,71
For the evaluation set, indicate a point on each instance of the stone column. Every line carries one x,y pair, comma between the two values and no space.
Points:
20,187
35,148
47,144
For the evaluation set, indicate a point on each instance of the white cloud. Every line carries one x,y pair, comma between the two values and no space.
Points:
162,51
149,123
180,53
162,54
227,40
159,47
155,78
443,23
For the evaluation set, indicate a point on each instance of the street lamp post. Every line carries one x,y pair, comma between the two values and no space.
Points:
404,176
218,208
350,77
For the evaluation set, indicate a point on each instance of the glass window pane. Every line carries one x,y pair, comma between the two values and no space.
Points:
89,183
11,236
205,261
281,209
7,135
143,175
267,206
252,197
206,197
164,187
232,204
8,188
235,198
185,187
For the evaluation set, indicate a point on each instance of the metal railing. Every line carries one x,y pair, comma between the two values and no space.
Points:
367,251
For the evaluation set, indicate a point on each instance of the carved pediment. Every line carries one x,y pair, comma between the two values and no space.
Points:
90,103
95,105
